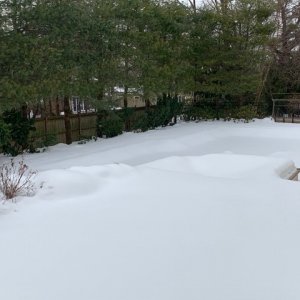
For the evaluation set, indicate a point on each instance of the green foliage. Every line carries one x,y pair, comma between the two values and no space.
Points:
112,123
50,139
245,113
228,46
4,133
210,111
86,48
141,122
196,113
19,128
166,111
109,125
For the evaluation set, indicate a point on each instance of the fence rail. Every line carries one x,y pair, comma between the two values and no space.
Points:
286,107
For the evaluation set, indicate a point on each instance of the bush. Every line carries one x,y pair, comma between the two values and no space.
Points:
161,115
196,113
50,139
126,114
4,133
16,179
47,140
83,139
226,112
141,123
17,129
110,125
167,108
245,112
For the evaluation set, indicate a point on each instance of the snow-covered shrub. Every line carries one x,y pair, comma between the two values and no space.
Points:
16,179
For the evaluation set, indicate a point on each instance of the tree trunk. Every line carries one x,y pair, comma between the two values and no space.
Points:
127,121
67,114
147,103
50,107
24,111
57,106
125,96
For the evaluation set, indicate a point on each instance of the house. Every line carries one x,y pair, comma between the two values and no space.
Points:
114,99
135,97
55,107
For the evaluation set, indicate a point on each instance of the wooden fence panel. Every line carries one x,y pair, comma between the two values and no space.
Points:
84,125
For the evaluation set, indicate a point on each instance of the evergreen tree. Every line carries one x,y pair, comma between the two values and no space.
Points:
234,48
18,54
67,33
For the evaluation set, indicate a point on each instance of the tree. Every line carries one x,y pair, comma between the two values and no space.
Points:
18,54
284,75
102,41
237,33
66,31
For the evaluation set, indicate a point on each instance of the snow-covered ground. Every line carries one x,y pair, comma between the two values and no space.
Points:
194,211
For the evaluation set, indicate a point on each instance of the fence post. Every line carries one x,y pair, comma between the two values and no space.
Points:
79,124
45,126
273,110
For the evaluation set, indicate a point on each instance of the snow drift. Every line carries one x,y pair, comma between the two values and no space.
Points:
185,226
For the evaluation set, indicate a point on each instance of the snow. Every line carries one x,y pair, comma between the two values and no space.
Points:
194,211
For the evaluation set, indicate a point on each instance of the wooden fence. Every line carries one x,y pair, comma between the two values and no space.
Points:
83,125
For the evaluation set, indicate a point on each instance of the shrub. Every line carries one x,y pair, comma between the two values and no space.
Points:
38,144
49,139
16,179
194,113
141,123
110,125
167,109
4,133
19,128
126,114
225,112
245,112
83,139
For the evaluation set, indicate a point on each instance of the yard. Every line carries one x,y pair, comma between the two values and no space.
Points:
194,211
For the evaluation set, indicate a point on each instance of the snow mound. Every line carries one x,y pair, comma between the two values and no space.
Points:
83,181
79,181
226,165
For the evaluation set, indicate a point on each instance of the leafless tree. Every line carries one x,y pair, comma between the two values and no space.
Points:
286,45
